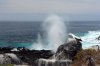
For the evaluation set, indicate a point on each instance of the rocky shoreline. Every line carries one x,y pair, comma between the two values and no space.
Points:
25,55
21,55
67,54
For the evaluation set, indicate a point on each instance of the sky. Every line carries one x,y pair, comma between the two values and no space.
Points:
37,10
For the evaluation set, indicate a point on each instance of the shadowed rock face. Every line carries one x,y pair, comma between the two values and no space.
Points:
69,49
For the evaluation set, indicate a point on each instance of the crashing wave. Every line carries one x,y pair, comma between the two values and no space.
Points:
90,39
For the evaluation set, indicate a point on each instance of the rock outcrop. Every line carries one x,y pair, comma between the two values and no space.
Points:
9,58
62,57
69,49
64,54
22,55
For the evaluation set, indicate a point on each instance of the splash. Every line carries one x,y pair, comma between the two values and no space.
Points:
56,31
90,39
38,45
62,57
55,34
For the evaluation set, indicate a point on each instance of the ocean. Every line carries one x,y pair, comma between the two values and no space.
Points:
24,34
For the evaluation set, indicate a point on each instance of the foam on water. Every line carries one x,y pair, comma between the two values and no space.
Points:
90,39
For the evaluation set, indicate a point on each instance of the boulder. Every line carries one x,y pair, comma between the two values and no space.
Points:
9,58
69,49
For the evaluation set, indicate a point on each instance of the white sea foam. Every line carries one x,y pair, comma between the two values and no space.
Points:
90,39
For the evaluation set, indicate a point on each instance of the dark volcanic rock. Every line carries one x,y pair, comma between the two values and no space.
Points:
23,54
64,54
69,49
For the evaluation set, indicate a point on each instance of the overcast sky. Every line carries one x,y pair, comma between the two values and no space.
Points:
30,10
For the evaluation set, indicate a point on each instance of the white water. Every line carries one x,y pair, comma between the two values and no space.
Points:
90,39
61,58
55,34
38,45
56,31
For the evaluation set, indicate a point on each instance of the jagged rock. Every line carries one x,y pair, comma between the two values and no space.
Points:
64,54
69,49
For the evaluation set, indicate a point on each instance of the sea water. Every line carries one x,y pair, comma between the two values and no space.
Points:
19,34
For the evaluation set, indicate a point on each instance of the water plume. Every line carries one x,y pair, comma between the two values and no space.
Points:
55,34
38,45
56,31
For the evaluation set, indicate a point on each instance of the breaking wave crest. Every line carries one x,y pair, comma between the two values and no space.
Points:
90,39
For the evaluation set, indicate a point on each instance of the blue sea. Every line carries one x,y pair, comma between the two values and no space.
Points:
24,34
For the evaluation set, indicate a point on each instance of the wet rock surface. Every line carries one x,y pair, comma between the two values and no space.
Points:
69,49
23,54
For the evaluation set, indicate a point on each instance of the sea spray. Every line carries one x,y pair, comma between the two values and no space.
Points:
90,39
56,35
64,54
38,45
56,32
